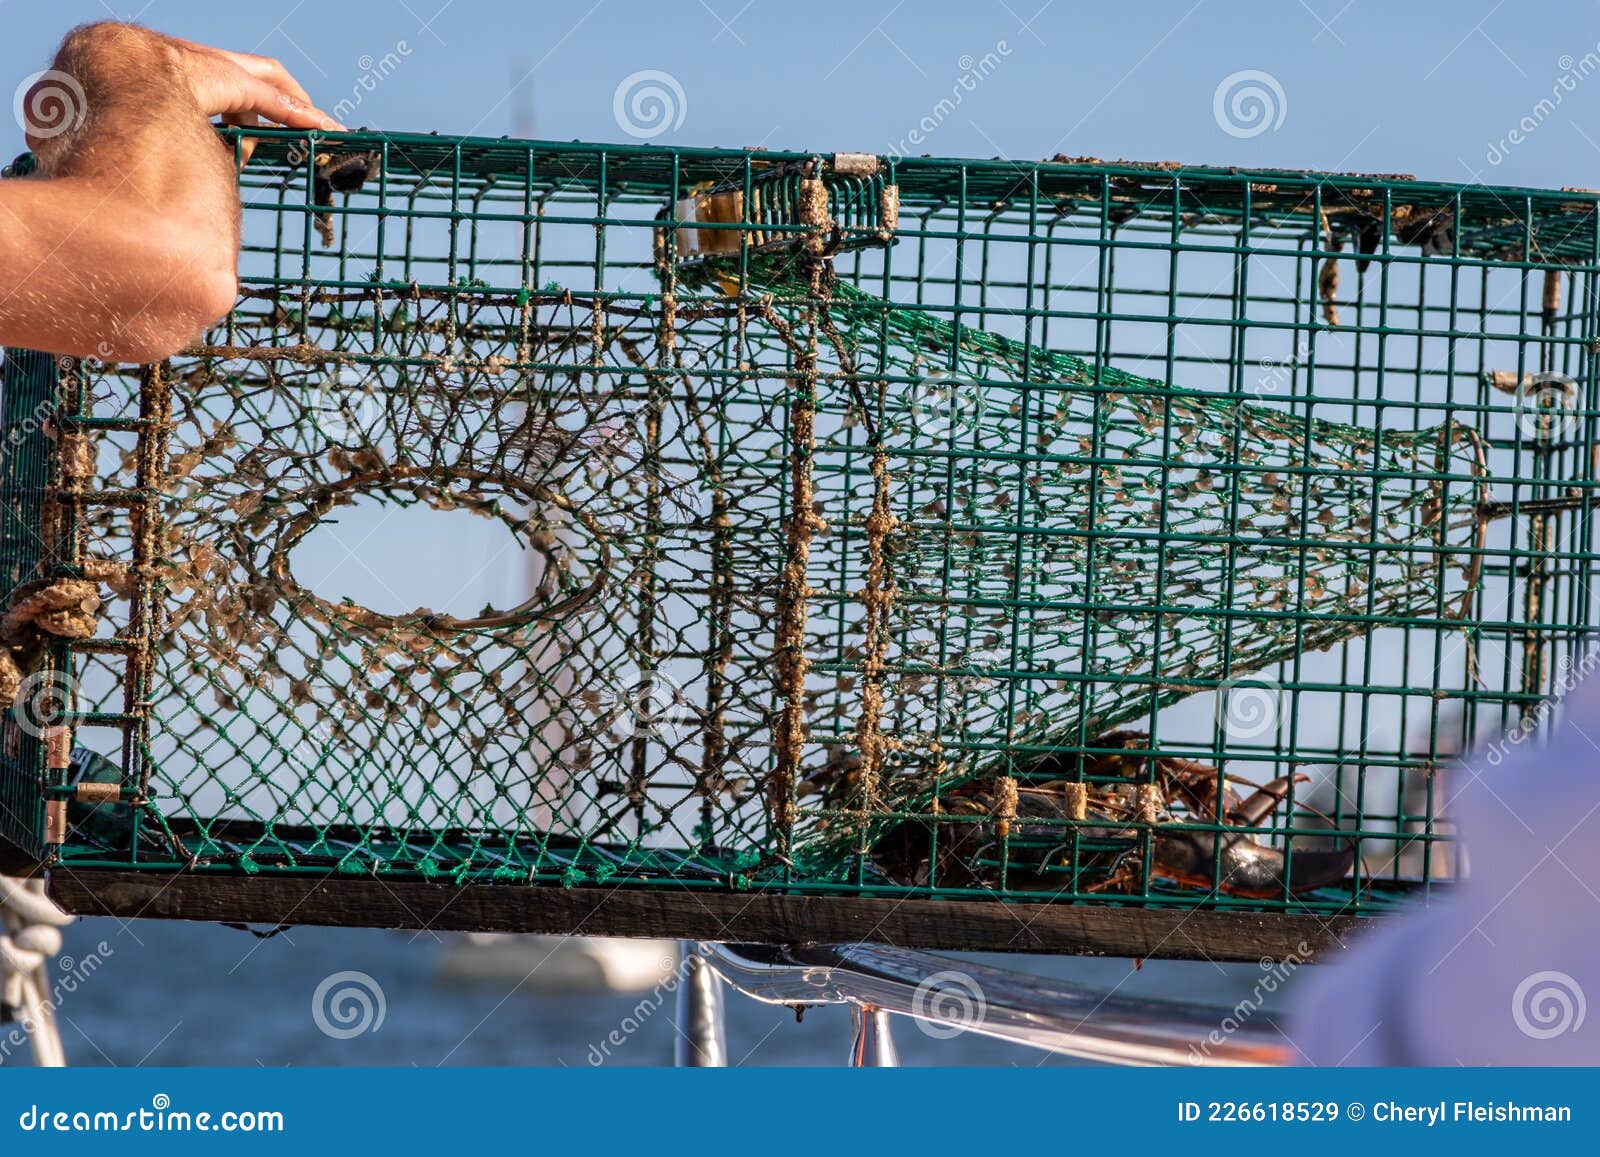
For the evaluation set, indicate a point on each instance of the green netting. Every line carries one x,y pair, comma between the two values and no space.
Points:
1080,546
922,528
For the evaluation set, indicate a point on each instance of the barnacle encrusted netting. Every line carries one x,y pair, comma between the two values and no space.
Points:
851,526
769,532
1025,550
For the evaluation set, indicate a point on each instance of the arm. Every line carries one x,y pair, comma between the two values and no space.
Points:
125,244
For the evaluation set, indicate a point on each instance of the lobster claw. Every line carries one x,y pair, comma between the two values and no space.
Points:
1247,867
1254,811
1309,871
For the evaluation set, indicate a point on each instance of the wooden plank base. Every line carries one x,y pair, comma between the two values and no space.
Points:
761,917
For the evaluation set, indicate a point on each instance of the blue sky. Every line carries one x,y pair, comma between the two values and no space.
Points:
1431,89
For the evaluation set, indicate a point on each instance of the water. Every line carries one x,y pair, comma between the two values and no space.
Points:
159,993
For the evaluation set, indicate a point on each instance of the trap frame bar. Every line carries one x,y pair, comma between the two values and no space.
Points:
762,917
905,529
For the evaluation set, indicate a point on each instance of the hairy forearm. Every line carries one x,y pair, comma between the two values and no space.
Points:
96,275
126,242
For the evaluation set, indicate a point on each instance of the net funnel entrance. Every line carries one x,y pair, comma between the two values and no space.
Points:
1075,533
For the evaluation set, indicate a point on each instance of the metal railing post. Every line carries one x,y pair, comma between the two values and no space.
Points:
702,1041
872,1039
953,995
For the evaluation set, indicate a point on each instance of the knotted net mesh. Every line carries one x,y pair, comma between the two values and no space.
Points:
807,547
1007,548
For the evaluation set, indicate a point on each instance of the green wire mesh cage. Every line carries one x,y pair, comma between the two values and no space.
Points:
909,528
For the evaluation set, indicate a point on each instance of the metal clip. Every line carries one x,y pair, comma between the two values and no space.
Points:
58,747
55,821
99,793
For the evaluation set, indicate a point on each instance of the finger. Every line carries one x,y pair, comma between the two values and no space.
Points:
247,145
261,67
270,70
253,95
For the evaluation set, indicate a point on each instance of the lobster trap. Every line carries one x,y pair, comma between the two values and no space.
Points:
965,553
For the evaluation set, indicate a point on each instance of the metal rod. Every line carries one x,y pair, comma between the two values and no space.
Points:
956,995
702,1042
871,1039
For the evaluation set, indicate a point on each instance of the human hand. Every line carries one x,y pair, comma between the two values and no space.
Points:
242,88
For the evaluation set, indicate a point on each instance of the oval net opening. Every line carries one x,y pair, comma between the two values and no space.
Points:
396,559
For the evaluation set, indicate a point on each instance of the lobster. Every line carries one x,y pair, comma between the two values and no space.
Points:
1020,836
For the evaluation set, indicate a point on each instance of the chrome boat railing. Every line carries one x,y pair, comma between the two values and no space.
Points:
949,996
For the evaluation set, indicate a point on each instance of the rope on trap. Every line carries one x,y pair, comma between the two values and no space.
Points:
37,613
30,936
254,471
1118,454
